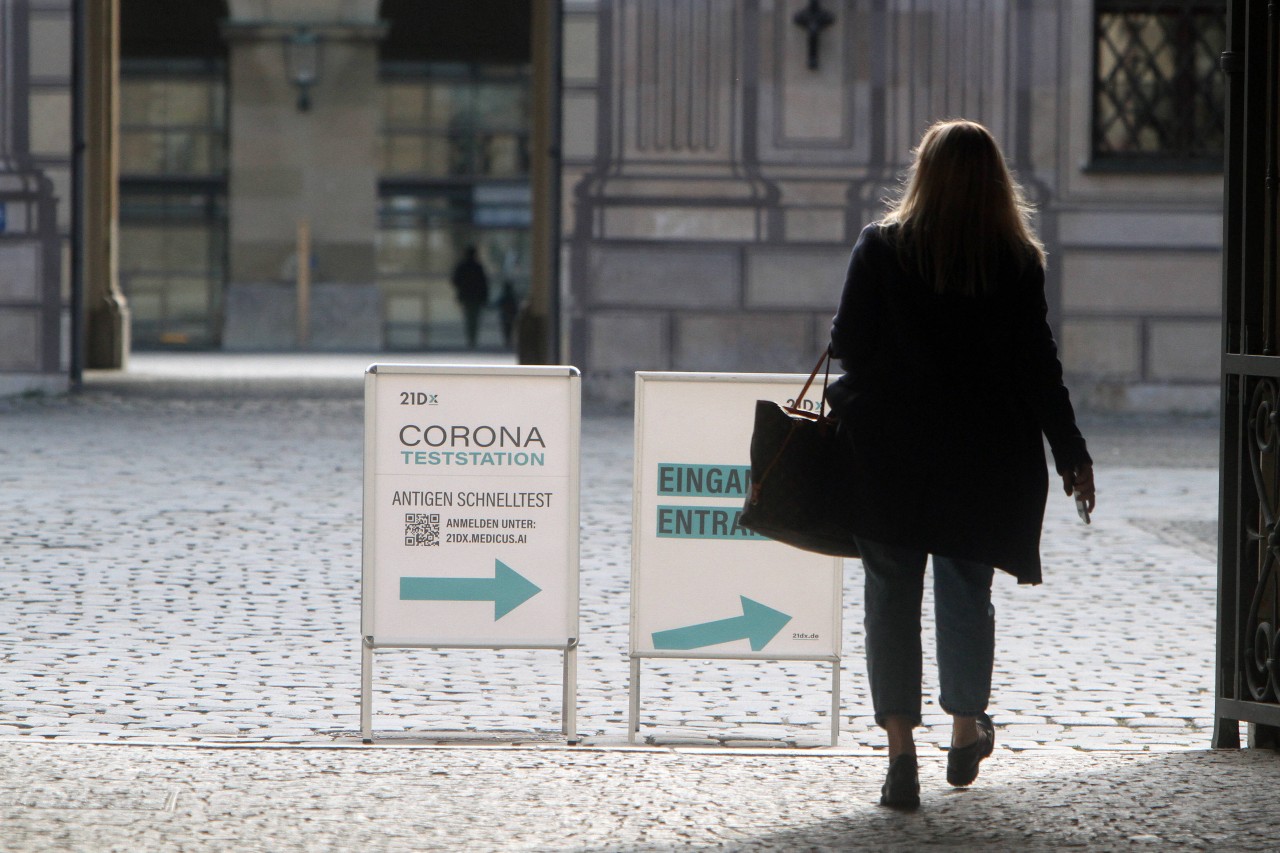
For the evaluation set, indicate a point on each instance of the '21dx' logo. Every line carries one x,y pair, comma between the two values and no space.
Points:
418,398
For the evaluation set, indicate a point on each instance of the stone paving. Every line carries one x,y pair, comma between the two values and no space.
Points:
127,798
181,568
189,569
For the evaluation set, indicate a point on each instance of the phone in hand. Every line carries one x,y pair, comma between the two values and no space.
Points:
1082,509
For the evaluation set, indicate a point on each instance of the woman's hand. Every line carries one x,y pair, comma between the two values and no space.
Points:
1080,484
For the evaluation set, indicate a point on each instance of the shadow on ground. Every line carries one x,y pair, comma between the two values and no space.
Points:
1212,800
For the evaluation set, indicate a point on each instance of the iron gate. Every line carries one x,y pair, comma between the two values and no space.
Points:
1248,668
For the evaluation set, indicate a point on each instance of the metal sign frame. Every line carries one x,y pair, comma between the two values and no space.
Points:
369,643
636,654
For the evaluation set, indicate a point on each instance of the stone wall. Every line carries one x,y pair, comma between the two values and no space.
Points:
1139,256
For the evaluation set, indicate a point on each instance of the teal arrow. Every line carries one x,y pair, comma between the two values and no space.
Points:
758,623
507,589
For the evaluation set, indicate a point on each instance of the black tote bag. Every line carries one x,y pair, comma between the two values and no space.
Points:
799,476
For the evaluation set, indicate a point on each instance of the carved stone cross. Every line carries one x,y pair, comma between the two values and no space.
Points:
813,19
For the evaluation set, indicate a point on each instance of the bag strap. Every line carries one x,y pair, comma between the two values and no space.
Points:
825,358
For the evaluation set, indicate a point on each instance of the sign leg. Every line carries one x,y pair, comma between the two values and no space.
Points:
633,713
366,690
835,702
569,714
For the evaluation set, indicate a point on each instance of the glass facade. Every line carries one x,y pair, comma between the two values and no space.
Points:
173,186
172,266
454,173
454,166
1159,97
442,121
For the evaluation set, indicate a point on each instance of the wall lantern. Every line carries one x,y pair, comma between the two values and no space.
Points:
302,63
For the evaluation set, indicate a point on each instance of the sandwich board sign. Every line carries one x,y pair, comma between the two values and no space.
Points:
470,513
703,586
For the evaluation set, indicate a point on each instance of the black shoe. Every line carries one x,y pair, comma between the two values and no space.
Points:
962,761
902,786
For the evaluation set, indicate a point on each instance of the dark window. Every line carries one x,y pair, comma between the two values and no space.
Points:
1159,96
163,29
481,31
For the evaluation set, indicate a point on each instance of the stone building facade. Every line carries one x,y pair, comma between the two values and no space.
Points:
714,181
715,161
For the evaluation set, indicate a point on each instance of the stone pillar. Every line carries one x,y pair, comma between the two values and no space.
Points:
292,163
106,312
535,340
30,253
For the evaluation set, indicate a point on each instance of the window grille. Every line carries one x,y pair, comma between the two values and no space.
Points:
1159,96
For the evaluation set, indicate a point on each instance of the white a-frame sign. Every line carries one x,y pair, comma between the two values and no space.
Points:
471,514
703,586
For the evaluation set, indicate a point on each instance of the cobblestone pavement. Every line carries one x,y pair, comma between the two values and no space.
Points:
130,798
181,568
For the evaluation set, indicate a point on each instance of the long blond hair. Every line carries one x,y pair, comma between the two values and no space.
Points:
961,214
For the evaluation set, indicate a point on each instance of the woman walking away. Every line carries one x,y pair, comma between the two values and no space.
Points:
951,376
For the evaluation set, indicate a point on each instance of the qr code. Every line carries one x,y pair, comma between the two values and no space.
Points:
421,528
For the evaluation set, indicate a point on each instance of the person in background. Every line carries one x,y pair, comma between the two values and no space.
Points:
471,286
951,375
508,306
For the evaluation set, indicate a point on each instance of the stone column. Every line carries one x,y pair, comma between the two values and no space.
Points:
292,163
30,256
106,312
535,339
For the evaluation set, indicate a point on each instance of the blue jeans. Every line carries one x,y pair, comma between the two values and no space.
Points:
965,621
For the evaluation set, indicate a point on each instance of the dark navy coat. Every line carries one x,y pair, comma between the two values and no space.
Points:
943,402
